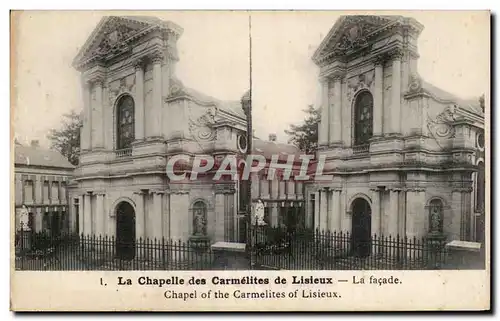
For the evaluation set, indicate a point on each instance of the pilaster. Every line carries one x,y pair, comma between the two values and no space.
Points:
156,214
323,212
392,214
378,97
140,214
396,57
139,99
87,214
376,218
156,120
323,126
100,214
336,111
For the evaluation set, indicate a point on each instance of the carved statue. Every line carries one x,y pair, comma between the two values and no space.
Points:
259,213
24,218
435,219
200,223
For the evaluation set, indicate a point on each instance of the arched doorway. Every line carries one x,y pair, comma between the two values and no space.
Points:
125,231
361,227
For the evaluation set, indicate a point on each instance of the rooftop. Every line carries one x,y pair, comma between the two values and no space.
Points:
37,156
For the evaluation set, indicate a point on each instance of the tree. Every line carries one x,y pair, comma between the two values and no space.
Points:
481,102
305,135
67,139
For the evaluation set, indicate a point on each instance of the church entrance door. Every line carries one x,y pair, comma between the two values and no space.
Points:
125,231
361,227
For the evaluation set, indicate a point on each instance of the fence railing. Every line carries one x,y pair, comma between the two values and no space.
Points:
43,251
308,249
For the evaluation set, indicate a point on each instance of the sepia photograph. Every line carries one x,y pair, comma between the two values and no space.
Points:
250,142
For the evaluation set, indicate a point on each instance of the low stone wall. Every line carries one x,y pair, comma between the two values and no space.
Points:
463,255
230,256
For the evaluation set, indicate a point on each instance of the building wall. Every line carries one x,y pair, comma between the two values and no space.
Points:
44,192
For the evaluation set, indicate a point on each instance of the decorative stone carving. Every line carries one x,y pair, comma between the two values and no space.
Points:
202,128
441,126
115,34
125,85
353,35
362,81
414,83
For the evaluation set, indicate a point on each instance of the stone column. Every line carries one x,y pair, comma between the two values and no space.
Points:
220,222
396,92
336,112
99,215
416,213
376,213
180,219
392,213
156,119
316,210
81,209
323,211
97,115
85,139
140,215
139,99
376,221
323,126
87,214
335,213
378,97
156,215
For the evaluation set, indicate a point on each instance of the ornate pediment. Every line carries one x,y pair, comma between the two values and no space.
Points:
114,35
350,34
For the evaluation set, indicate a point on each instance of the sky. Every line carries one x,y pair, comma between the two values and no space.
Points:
214,59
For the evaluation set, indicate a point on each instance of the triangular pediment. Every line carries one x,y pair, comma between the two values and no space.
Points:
113,33
351,33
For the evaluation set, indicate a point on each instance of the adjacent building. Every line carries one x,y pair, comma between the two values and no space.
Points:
407,158
41,193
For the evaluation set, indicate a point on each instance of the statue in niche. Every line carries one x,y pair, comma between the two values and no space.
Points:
436,216
199,219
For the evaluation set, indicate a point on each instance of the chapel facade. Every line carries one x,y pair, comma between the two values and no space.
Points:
137,116
407,158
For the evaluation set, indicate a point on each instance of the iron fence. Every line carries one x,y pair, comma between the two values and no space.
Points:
308,249
44,251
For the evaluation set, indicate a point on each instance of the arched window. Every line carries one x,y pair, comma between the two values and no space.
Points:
480,185
363,118
436,216
125,122
199,219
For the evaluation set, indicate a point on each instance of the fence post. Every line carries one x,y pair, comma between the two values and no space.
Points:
163,261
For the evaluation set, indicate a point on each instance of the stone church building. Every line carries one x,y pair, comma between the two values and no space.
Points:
406,157
137,115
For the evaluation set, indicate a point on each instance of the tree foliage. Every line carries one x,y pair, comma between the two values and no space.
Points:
67,139
305,135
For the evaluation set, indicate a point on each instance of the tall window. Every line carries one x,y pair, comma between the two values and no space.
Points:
28,191
125,122
363,118
199,219
436,216
480,185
